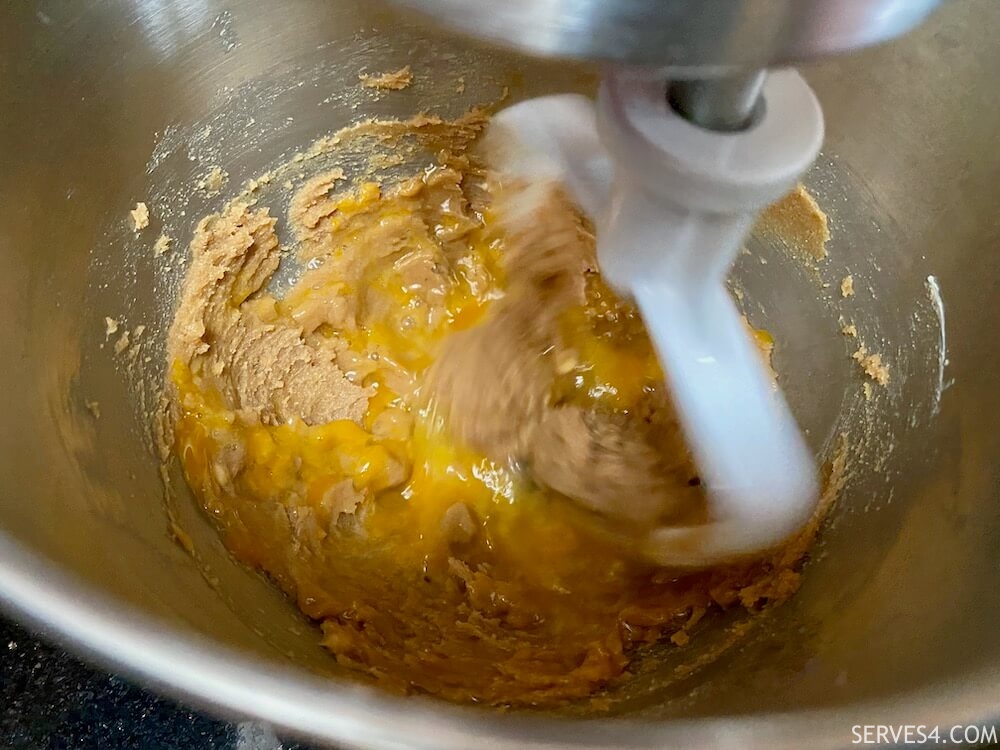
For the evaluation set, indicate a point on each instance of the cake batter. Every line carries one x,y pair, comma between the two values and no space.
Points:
304,427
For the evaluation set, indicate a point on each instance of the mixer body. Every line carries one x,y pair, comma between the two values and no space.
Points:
714,52
691,38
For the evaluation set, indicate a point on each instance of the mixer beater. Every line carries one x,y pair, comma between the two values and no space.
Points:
690,138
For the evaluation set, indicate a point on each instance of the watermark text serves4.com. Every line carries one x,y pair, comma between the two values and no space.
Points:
923,734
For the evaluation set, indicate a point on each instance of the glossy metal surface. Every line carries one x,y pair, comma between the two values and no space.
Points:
722,103
687,34
107,103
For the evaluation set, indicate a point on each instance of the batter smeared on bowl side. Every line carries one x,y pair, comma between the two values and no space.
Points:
299,423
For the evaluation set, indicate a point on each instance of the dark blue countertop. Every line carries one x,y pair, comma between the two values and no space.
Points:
50,700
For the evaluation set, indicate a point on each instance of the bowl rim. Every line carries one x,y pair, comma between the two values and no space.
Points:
229,683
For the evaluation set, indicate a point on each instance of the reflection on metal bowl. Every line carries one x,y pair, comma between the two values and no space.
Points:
108,104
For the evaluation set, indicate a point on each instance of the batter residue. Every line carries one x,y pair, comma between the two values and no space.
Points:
299,426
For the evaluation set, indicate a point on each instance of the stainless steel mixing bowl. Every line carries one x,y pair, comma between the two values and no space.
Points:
103,104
